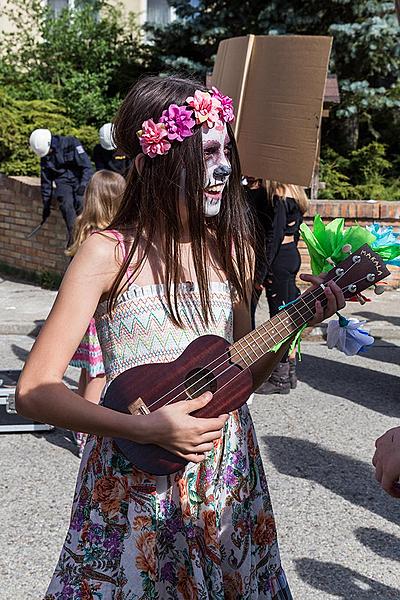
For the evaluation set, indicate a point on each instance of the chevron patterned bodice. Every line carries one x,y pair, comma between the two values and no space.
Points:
141,330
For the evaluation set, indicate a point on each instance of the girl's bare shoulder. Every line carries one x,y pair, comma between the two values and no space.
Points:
99,246
97,257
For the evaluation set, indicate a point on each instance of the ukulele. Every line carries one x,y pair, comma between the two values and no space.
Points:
211,363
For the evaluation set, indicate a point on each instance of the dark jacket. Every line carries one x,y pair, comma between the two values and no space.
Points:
286,220
263,217
66,164
111,160
274,221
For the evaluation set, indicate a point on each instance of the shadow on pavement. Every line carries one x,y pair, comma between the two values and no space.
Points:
22,355
19,352
383,544
341,582
61,438
375,390
385,352
351,479
372,316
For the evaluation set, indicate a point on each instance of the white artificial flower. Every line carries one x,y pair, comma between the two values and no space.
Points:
347,336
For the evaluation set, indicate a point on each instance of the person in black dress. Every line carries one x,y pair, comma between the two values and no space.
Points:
280,209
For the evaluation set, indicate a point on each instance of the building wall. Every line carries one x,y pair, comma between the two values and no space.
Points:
141,8
21,211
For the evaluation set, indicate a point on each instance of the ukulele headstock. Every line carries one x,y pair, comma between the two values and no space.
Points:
359,271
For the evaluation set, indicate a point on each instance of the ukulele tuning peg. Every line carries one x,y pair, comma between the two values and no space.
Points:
347,248
371,277
330,261
379,289
361,299
356,258
352,288
339,271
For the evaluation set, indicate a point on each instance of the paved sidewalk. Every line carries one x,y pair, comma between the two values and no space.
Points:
24,307
339,533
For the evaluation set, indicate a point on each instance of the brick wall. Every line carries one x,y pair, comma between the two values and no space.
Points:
21,210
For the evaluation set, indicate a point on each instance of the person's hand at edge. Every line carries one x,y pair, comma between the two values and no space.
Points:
386,461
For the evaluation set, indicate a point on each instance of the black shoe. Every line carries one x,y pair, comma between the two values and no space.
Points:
278,382
292,373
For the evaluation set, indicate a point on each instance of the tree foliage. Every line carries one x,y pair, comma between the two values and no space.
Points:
366,52
18,118
68,72
84,58
64,72
365,174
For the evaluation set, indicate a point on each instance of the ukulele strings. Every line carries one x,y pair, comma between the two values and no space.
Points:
307,304
228,360
253,361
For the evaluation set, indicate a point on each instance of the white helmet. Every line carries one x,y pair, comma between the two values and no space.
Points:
106,136
40,141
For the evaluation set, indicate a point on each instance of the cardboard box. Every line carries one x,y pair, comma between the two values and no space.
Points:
277,84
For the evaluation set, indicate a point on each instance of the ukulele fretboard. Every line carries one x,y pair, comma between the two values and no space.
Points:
286,323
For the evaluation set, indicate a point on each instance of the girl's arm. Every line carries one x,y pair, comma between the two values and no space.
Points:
42,395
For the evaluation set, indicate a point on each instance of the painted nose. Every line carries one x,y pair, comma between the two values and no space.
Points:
222,172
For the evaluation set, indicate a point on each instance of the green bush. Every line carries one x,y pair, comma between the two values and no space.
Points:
363,175
85,57
18,118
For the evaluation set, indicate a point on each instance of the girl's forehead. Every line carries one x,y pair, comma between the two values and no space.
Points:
218,133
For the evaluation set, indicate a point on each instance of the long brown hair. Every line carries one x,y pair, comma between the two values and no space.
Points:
150,202
275,188
102,198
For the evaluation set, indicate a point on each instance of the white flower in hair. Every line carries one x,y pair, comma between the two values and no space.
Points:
347,336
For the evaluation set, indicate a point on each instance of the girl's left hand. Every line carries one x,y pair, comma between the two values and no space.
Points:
333,293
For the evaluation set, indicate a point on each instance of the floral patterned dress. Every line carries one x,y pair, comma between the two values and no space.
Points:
204,533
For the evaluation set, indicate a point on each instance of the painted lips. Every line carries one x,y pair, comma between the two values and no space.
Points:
214,192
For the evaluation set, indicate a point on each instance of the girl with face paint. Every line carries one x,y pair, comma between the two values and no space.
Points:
216,149
175,264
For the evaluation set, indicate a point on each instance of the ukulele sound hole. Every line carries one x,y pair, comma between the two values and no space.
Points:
199,381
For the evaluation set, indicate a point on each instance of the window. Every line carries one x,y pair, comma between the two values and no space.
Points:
159,11
58,5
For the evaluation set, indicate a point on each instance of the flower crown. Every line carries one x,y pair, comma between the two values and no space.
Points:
177,122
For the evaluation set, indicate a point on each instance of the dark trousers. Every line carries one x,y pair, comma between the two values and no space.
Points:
283,288
70,206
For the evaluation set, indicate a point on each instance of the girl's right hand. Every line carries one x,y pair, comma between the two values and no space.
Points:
173,428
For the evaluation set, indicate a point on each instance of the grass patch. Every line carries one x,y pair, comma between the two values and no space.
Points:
48,280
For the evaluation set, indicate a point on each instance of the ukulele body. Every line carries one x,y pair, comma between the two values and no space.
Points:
205,365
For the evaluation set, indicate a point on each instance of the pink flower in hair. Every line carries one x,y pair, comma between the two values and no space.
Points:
151,138
226,110
178,121
206,109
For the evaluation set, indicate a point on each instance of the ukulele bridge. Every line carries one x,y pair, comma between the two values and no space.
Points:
138,407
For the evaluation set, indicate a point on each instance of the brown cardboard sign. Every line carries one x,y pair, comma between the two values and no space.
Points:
277,84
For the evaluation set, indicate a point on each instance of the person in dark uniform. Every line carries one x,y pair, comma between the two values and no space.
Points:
64,162
105,154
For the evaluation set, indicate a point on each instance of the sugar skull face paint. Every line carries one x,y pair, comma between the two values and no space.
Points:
216,148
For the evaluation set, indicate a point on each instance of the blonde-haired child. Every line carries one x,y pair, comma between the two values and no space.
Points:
102,199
